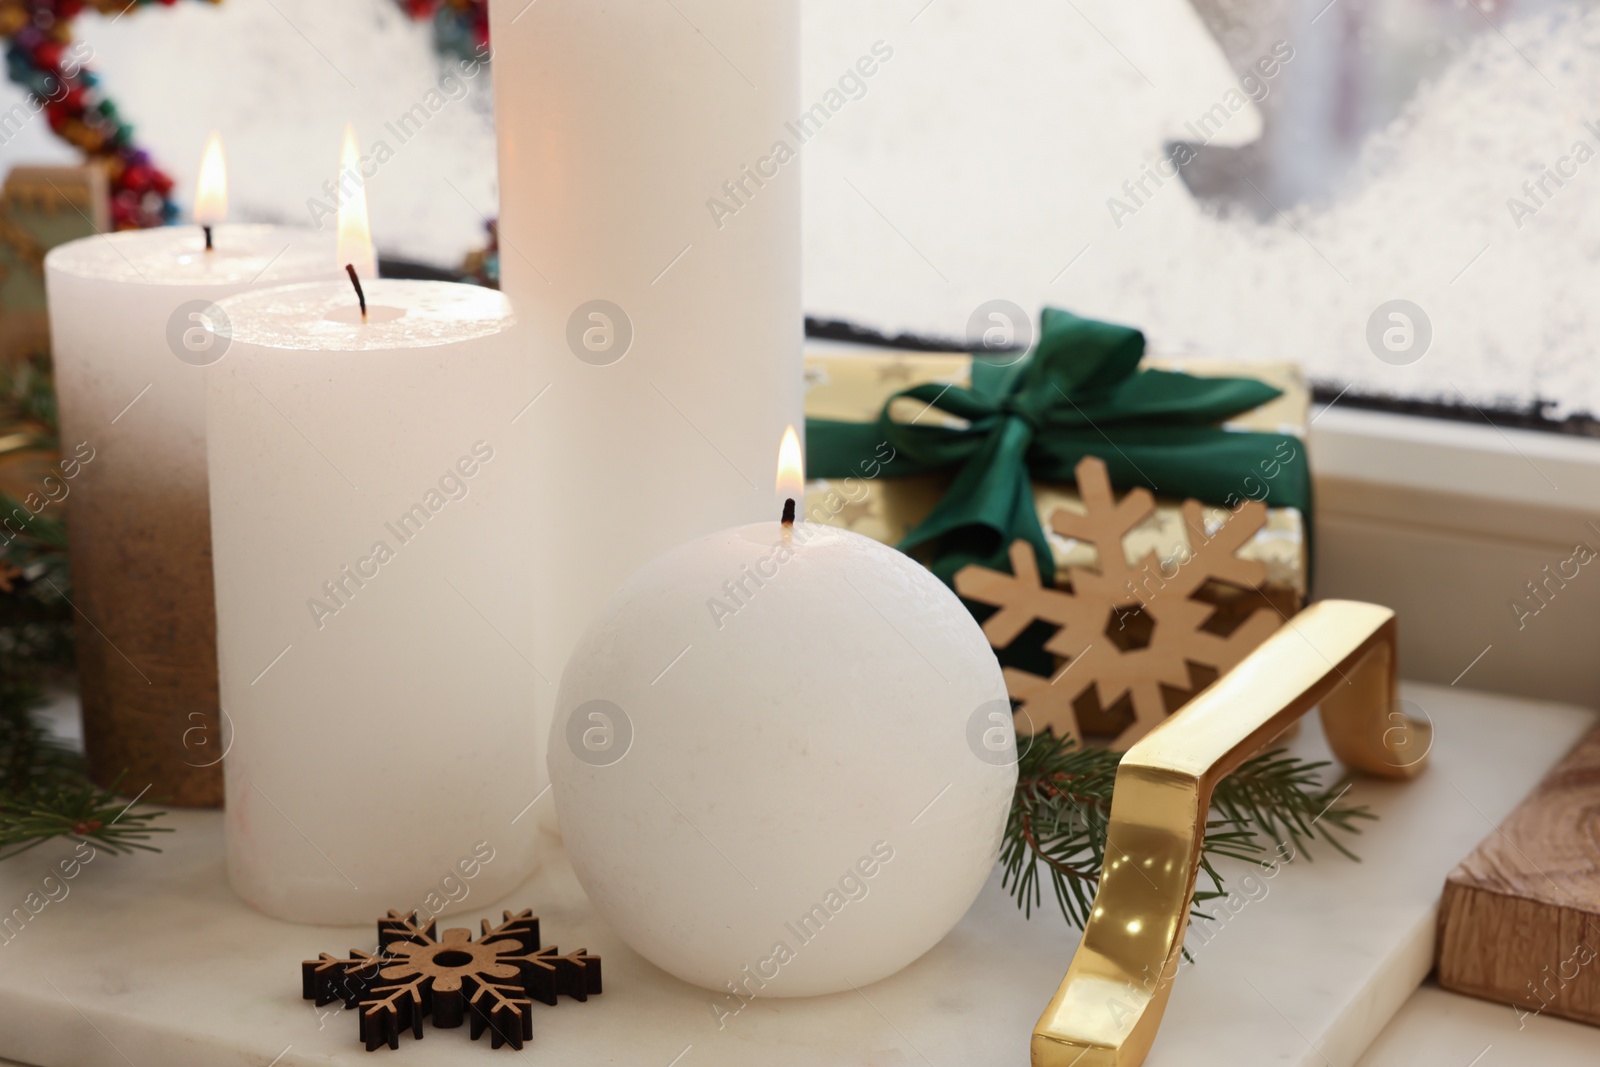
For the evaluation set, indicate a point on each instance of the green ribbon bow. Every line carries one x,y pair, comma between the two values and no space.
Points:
1079,392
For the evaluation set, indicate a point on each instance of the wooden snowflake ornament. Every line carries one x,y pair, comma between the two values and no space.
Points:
1137,634
415,972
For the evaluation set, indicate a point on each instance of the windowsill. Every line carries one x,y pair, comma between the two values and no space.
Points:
1449,523
1545,472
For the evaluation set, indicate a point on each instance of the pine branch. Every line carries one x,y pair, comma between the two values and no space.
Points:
1282,798
1062,809
45,794
28,406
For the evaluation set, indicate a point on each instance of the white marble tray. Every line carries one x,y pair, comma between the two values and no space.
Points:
151,961
1440,1029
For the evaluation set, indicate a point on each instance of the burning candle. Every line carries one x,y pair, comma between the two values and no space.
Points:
783,758
356,251
127,318
211,200
373,616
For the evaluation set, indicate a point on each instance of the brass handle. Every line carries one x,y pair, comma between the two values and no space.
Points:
1339,652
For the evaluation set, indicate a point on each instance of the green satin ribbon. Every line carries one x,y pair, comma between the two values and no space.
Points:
1079,392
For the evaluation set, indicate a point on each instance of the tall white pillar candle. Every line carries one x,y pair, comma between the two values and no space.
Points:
127,312
662,309
369,521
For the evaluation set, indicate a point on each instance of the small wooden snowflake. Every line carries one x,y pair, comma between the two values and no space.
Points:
1138,628
415,972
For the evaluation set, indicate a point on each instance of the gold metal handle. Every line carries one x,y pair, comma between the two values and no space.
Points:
1338,652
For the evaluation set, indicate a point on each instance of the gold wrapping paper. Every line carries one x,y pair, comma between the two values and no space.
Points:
852,382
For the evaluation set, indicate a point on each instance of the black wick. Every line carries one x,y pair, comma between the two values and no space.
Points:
207,230
355,280
788,512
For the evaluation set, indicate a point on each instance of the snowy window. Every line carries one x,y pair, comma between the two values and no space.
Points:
1395,194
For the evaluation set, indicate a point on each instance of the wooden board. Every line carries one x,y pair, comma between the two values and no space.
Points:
1520,918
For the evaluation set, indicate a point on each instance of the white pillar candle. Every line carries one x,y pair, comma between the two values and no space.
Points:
668,329
127,312
783,761
369,523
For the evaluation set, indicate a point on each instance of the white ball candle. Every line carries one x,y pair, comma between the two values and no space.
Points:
127,317
650,242
368,520
783,761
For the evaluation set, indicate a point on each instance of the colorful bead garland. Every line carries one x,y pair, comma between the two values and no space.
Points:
42,58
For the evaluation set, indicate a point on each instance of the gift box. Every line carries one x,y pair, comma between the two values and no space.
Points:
40,208
852,383
973,465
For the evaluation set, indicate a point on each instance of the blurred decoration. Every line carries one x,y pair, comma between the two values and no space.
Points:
479,267
44,791
460,27
483,266
40,208
461,31
42,58
35,614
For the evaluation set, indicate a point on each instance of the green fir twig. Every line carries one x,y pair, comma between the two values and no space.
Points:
28,406
1061,811
44,793
86,813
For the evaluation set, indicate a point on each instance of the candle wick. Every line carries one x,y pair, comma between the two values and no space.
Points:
207,230
788,512
355,280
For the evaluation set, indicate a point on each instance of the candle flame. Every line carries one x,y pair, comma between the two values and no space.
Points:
211,188
791,467
355,232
